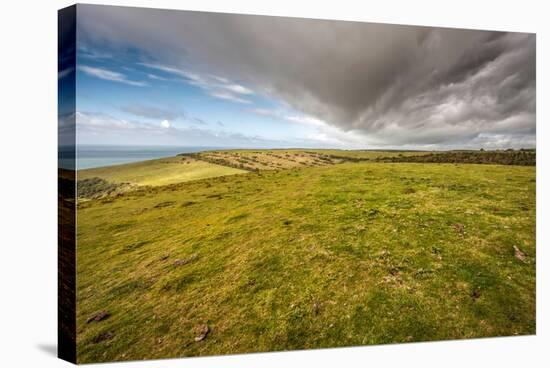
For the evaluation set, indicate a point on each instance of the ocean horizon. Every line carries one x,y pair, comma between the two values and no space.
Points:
93,156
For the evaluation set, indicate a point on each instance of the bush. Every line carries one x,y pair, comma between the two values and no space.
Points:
98,187
507,157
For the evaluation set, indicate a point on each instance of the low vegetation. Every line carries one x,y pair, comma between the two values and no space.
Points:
97,188
508,157
113,180
256,160
309,254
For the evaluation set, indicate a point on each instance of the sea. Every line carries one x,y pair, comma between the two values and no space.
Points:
90,156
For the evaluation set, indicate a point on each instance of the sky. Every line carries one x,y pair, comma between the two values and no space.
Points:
165,77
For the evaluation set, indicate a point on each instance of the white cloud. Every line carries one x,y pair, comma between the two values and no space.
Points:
221,79
90,53
318,133
229,97
238,89
213,85
168,69
296,118
93,122
98,128
306,120
63,73
156,77
110,75
265,112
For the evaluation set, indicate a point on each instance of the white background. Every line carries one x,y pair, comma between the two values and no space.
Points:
28,172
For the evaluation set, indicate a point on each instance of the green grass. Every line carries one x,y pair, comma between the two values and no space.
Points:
339,255
158,172
337,152
367,154
280,159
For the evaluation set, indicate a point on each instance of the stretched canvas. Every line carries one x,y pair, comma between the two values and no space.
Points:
238,183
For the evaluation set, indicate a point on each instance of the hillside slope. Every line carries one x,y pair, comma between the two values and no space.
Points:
339,255
171,170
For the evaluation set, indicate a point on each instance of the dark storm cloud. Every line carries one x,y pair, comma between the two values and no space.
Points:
390,84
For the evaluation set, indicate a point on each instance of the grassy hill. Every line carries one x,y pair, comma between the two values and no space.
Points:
255,160
508,157
316,255
113,180
120,178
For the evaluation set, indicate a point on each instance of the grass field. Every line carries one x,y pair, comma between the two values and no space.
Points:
306,257
159,172
254,160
